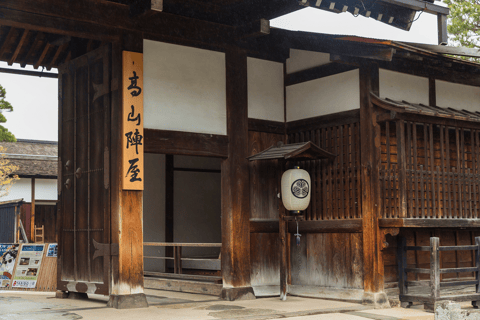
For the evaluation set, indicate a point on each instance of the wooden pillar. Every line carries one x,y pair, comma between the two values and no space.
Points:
169,185
235,183
32,213
370,163
126,286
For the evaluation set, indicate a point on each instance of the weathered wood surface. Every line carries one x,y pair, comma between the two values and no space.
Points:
46,215
194,277
183,286
328,260
320,226
441,165
185,143
235,176
181,244
335,184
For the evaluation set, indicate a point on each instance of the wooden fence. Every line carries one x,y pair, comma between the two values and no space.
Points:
434,285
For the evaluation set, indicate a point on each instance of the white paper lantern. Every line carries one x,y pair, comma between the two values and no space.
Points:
296,190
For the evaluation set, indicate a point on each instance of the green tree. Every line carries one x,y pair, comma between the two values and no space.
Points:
5,135
464,22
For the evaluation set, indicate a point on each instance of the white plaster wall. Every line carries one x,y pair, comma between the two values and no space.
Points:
337,93
197,204
45,189
265,90
457,96
184,88
401,86
154,210
301,60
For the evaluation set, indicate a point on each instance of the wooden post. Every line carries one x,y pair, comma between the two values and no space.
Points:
476,304
235,183
126,286
169,186
434,272
32,213
373,277
283,233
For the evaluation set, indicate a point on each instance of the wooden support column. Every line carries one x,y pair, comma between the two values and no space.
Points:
32,213
168,206
370,164
126,286
235,183
402,168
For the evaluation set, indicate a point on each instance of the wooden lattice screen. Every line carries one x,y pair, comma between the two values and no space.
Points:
439,176
335,185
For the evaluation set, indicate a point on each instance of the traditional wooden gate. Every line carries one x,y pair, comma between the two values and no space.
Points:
84,187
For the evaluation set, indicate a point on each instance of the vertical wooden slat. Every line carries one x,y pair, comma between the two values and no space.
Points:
438,178
358,171
324,176
335,173
448,169
462,191
402,265
444,169
469,187
454,179
457,176
341,173
402,169
387,142
475,171
383,178
395,207
410,170
415,168
422,192
432,170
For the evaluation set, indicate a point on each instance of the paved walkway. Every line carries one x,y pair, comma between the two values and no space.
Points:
180,306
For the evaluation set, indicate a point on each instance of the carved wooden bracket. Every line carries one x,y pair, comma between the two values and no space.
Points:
383,236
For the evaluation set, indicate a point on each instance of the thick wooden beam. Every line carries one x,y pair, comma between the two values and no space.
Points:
267,126
93,19
38,38
235,183
370,162
30,73
323,226
8,41
336,119
186,143
429,223
325,70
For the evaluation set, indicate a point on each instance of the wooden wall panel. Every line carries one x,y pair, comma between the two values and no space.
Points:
265,259
335,184
328,260
46,215
263,177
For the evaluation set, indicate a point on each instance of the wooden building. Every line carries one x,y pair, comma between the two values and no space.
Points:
37,164
219,85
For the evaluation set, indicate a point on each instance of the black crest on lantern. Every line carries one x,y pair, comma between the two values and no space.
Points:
300,188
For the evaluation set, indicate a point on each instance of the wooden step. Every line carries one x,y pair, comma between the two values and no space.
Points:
188,286
194,277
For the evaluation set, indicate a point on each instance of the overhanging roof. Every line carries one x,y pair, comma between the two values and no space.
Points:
293,151
406,107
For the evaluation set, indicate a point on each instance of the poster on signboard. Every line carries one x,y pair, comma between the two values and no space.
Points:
52,250
28,266
8,255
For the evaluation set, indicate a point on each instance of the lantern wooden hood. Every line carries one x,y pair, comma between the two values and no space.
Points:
293,151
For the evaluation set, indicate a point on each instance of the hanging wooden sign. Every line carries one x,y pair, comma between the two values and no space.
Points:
132,121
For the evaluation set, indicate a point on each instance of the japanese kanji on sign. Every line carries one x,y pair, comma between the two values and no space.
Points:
132,121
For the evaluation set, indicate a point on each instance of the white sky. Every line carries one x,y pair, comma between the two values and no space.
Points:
35,100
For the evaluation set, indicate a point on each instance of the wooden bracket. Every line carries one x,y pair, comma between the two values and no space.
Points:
383,233
105,249
292,218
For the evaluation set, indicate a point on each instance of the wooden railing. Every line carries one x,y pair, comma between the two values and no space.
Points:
430,194
197,263
433,286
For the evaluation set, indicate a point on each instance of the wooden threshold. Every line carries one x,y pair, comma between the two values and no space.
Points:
429,223
317,226
194,277
183,286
